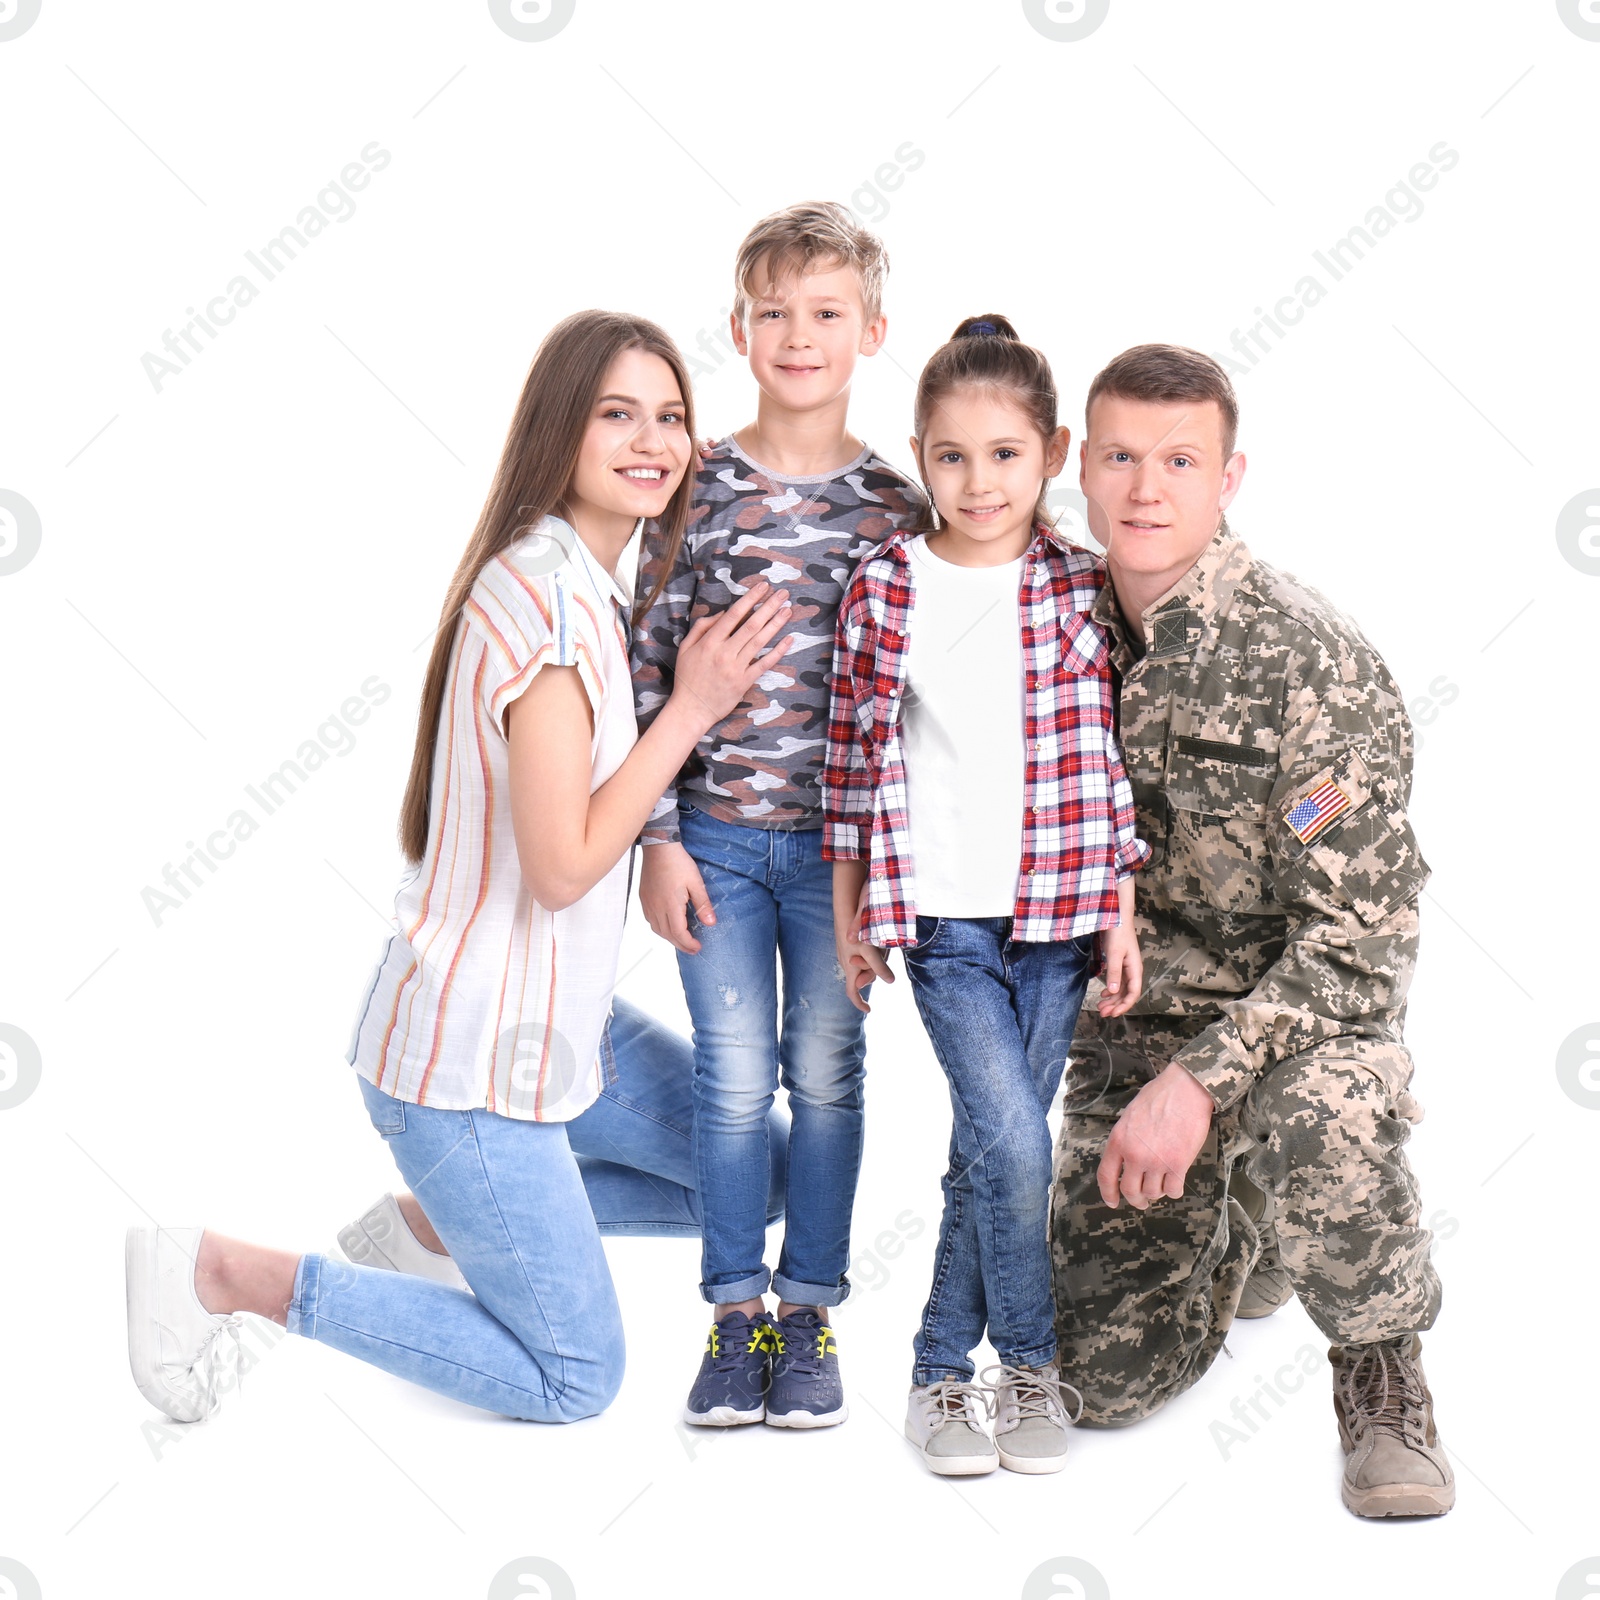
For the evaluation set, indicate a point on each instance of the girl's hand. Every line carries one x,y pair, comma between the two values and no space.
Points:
1124,973
861,963
720,657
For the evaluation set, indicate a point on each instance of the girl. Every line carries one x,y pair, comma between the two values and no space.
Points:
975,792
484,1032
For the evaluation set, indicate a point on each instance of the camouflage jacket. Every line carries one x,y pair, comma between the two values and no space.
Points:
762,766
1270,756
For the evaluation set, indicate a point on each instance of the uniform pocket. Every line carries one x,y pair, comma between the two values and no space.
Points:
1218,794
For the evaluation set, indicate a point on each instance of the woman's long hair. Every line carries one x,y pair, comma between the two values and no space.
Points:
532,481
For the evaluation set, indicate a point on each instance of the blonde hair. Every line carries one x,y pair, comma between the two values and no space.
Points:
801,239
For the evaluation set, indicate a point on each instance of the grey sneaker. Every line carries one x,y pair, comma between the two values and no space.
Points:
1268,1287
1394,1464
1031,1421
945,1422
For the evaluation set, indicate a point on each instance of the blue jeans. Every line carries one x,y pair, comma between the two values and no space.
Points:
773,896
1000,1015
521,1206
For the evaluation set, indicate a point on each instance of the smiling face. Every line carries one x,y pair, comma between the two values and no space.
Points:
1157,482
804,334
635,448
985,461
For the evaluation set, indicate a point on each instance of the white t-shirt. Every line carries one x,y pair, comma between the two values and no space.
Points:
482,997
962,731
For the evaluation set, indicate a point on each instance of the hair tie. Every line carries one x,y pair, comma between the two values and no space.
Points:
982,329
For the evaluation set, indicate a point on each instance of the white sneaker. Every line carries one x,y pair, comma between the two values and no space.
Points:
381,1237
1031,1421
945,1422
177,1349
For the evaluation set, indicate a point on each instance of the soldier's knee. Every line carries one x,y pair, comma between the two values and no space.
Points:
1304,1110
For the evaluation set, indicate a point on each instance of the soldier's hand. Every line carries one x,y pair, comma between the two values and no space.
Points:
1155,1140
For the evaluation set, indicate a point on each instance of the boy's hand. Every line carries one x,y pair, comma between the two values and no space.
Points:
1124,970
669,882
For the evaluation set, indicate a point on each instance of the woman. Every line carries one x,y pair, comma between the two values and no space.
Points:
484,1031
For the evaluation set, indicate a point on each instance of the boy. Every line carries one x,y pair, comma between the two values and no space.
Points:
733,875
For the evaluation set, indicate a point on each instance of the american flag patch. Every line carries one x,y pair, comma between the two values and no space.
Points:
1310,816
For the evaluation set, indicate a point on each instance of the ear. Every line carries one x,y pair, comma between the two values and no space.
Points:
916,455
873,335
1083,466
735,327
1232,477
1056,452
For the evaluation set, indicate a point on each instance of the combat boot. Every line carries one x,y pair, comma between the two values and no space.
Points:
1268,1287
1394,1464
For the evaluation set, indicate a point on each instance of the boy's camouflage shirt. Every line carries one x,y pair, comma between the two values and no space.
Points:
762,766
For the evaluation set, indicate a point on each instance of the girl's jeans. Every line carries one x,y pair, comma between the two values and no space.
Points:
521,1206
1000,1016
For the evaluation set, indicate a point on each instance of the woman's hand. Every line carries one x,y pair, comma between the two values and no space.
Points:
720,657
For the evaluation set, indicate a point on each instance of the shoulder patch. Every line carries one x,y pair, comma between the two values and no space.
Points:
1307,817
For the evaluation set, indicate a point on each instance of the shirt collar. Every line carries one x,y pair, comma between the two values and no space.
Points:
1173,621
570,539
1044,537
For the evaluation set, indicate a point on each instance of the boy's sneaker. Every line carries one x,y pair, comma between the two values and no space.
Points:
944,1421
806,1389
731,1387
381,1237
176,1348
1031,1421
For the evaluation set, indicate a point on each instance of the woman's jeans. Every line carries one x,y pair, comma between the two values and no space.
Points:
1000,1015
773,897
521,1206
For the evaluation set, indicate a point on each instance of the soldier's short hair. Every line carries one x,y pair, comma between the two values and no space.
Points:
803,238
1165,374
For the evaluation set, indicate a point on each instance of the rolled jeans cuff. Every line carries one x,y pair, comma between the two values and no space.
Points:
730,1294
302,1317
792,1292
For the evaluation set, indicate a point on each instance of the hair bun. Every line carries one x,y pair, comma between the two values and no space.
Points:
990,325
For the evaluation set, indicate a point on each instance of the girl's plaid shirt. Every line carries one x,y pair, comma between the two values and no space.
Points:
1078,841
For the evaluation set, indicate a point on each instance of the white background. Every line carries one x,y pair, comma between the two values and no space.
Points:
225,561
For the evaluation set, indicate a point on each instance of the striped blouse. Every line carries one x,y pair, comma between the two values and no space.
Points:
482,997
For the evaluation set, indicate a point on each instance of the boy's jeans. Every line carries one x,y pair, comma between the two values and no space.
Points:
773,896
1000,1016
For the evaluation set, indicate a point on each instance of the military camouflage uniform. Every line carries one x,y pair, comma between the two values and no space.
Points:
1277,957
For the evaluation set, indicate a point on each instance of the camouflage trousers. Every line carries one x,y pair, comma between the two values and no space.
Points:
1145,1299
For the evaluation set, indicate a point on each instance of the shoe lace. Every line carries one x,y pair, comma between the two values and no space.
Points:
221,1353
1034,1394
730,1355
953,1398
805,1345
1387,1392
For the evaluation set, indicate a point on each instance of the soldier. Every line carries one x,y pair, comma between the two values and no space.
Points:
1239,1135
